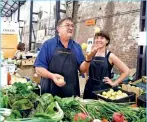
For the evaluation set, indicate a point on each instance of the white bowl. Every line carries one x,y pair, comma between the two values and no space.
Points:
5,111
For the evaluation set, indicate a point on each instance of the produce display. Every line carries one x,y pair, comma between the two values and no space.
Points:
14,79
25,105
141,85
12,61
102,109
113,95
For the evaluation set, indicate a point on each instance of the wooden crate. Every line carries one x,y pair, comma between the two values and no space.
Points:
129,88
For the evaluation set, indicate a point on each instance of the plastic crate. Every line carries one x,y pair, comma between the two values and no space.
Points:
141,100
130,98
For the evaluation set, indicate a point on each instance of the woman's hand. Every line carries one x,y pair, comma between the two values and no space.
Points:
107,80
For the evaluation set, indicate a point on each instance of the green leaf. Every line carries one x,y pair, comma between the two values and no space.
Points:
23,104
51,108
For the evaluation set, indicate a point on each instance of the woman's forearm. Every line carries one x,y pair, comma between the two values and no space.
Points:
121,78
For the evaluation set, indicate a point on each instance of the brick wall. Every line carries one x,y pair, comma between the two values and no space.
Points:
121,19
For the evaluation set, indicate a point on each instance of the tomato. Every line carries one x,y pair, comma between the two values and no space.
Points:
104,120
118,117
80,116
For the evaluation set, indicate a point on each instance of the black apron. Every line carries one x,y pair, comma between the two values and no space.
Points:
99,68
64,63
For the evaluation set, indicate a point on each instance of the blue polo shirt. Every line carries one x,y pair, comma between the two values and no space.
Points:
48,48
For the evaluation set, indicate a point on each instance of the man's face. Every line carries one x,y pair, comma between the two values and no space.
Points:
66,29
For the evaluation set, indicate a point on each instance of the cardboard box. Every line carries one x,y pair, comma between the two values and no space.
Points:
26,71
130,88
28,62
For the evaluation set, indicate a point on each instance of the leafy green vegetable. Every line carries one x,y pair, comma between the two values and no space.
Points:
3,100
14,115
17,88
51,109
22,99
30,120
29,88
69,101
51,113
31,96
14,97
43,115
10,89
58,115
45,100
58,99
70,106
39,108
23,104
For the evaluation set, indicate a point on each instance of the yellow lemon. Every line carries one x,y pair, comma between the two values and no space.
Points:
84,46
97,30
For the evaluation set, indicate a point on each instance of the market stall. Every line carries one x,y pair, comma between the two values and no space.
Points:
21,67
22,101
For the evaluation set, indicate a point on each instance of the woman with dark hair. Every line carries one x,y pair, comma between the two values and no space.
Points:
20,51
101,66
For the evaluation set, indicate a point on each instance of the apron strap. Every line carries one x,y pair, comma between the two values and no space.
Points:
108,54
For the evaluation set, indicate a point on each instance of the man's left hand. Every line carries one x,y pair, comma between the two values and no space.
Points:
90,55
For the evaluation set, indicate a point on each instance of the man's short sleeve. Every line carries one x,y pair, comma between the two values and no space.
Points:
43,57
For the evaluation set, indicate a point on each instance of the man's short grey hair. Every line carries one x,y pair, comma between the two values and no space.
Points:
62,20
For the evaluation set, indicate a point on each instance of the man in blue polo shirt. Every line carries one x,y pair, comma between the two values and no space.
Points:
59,60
